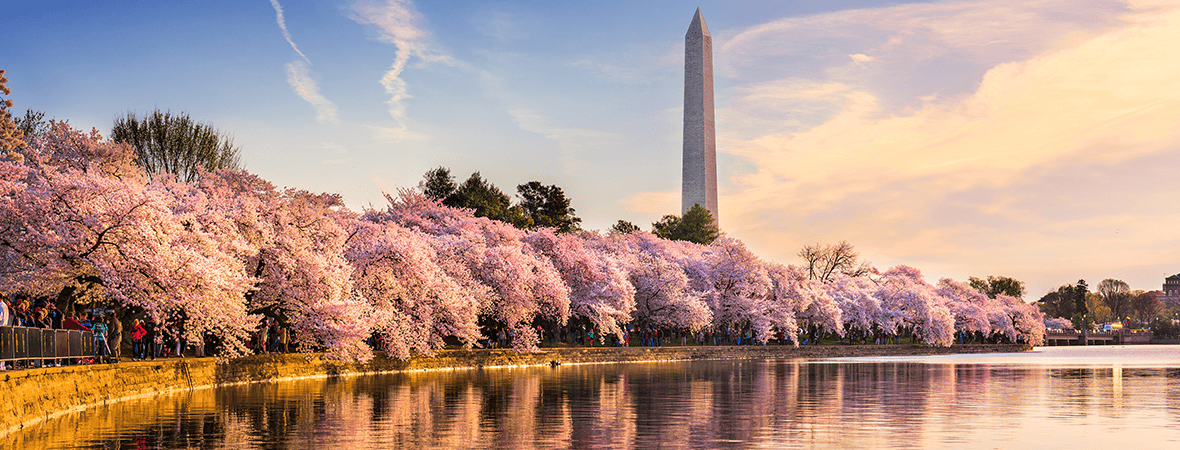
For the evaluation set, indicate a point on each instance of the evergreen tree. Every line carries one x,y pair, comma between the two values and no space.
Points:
547,206
439,184
625,227
697,226
489,201
1081,318
1079,295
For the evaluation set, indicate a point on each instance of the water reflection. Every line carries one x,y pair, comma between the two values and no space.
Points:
782,404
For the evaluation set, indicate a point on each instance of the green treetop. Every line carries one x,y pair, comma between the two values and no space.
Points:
697,226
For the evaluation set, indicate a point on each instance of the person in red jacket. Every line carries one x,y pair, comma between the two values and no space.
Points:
138,349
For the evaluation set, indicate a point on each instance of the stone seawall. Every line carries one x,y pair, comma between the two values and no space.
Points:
31,396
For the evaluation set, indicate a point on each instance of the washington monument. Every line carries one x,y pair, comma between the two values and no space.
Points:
700,144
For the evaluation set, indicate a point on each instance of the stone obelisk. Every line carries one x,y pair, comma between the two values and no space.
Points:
700,144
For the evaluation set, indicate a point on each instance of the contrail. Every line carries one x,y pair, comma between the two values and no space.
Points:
398,22
283,26
305,86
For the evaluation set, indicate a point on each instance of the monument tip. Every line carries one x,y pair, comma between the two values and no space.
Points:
698,23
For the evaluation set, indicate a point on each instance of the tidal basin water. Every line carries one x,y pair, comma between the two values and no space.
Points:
1057,397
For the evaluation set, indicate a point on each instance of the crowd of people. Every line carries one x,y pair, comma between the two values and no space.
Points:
147,339
23,312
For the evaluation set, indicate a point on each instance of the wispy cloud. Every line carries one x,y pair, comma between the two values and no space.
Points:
283,26
575,143
338,153
399,23
301,80
500,25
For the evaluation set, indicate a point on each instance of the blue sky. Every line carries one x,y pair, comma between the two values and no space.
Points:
1031,139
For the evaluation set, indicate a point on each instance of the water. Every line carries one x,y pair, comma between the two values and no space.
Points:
1060,397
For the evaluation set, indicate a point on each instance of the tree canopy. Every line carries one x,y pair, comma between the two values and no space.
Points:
1059,302
696,226
547,206
997,285
33,124
176,144
439,184
625,227
1079,297
540,205
1144,306
1116,295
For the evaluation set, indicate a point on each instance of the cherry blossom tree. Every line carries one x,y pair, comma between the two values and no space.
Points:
1058,323
742,291
1003,315
902,289
79,221
416,304
294,249
87,222
1026,318
523,286
807,298
599,289
860,308
968,305
663,294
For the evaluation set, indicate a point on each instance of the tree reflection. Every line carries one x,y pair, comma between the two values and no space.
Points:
644,405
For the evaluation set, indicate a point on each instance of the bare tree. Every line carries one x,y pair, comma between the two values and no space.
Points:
1145,306
33,124
825,261
176,144
1116,295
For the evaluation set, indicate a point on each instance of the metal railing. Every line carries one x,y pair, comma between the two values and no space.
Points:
35,345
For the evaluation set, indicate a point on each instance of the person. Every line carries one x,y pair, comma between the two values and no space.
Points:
151,339
175,330
199,348
115,335
101,350
4,314
42,318
19,313
272,336
285,339
138,333
4,318
260,337
56,318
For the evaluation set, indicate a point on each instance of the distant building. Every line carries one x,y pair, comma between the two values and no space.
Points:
1171,289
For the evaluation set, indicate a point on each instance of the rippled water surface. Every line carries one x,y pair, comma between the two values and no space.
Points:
1062,397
